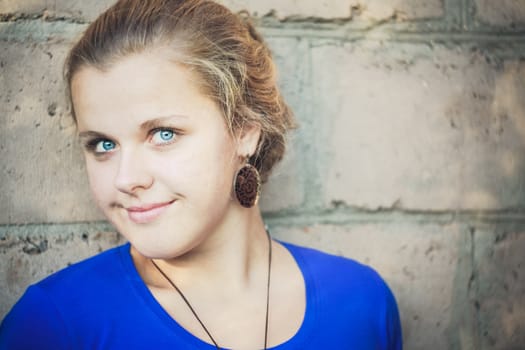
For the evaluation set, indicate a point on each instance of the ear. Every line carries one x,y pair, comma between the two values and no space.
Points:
247,139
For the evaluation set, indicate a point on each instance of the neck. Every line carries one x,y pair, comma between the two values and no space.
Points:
235,254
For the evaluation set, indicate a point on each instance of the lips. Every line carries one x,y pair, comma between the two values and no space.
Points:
147,213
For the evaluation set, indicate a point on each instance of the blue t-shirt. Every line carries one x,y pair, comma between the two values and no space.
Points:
102,303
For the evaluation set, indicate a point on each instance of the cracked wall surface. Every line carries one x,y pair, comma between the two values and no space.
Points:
409,156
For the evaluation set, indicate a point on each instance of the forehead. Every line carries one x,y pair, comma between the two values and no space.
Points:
145,75
137,86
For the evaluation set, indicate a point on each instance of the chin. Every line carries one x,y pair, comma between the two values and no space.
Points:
153,245
159,252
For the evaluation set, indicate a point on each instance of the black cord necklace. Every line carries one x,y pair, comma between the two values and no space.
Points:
195,313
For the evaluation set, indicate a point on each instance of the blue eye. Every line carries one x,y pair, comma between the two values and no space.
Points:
163,136
104,146
166,135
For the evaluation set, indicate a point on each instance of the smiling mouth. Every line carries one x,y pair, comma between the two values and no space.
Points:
148,213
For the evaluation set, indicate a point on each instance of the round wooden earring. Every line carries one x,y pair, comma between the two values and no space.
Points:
247,186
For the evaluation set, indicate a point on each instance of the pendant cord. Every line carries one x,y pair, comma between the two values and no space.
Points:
187,303
268,289
197,316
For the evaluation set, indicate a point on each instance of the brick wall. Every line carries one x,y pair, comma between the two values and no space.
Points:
410,156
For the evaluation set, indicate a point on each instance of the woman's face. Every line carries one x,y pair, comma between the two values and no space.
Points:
159,157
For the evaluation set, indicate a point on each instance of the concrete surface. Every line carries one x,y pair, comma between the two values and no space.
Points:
430,117
500,285
409,156
291,9
503,13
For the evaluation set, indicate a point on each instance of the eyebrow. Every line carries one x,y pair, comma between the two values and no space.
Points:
160,121
147,125
91,134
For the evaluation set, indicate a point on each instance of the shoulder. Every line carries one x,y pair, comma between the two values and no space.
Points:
343,283
334,269
95,282
34,322
42,317
352,297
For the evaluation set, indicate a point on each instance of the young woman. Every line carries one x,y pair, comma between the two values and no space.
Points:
180,120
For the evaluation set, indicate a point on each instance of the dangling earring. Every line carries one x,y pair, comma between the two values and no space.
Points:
247,185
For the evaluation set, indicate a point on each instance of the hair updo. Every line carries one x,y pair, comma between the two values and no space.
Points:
229,58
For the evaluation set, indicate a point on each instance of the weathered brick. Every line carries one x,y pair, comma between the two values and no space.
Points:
500,283
419,263
26,6
42,178
503,13
285,188
402,9
419,127
80,10
367,9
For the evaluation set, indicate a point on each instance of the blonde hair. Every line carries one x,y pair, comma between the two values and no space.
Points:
230,59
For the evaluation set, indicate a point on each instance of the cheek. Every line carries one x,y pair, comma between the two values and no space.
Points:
205,167
199,172
218,163
100,180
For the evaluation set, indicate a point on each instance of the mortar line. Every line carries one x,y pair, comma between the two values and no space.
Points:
310,188
309,217
39,30
401,35
466,23
453,18
475,287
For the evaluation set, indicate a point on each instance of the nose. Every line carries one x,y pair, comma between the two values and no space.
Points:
132,174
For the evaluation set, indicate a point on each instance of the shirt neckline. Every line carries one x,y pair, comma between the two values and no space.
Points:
174,329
